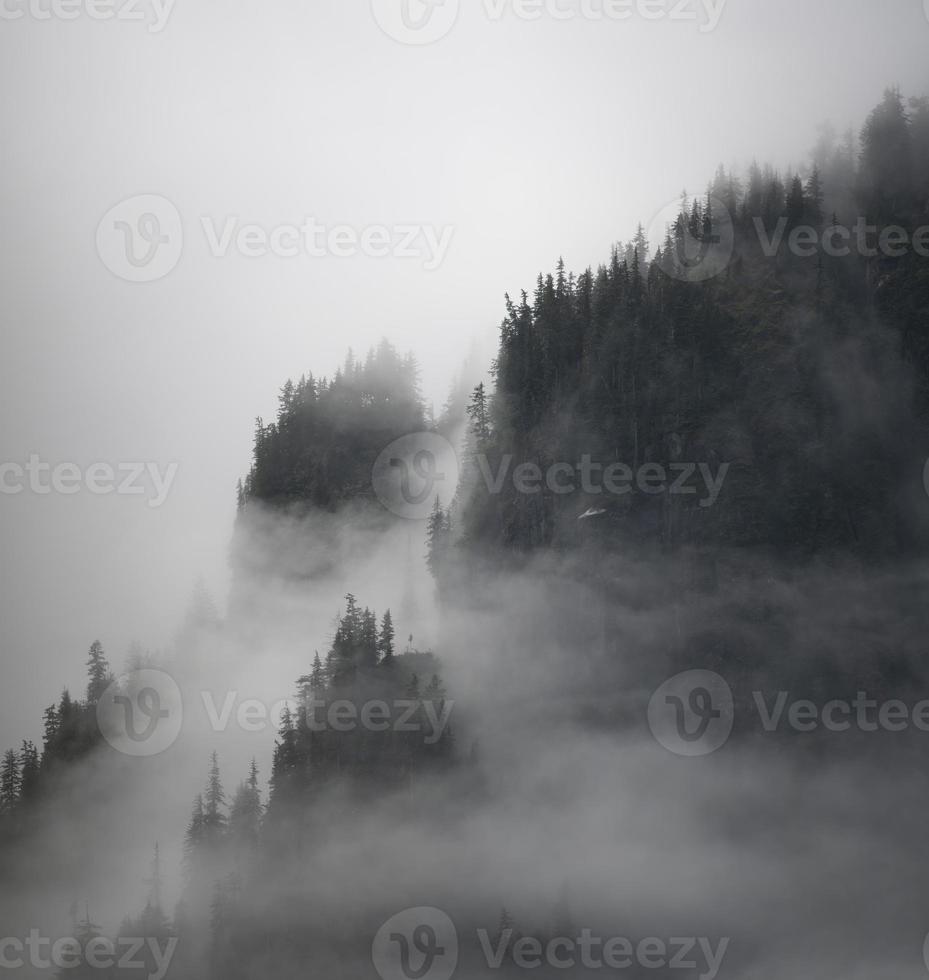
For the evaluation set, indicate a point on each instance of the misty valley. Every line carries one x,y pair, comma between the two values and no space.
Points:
613,665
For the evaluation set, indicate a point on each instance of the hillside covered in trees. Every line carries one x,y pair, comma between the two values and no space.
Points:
396,743
794,380
798,377
805,373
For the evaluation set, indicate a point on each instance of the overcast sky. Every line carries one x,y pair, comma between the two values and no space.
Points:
520,139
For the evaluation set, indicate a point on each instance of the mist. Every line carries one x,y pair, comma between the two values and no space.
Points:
246,253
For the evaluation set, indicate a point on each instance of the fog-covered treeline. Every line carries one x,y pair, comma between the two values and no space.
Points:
473,733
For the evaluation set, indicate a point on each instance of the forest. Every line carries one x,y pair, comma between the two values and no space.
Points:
806,376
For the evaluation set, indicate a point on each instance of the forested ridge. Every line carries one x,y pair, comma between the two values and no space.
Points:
802,378
319,769
805,375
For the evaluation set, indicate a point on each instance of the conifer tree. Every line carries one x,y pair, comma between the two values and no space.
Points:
814,197
193,838
385,642
98,673
796,205
317,677
245,813
214,819
10,782
29,766
368,639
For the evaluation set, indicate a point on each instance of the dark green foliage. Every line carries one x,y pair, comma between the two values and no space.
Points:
328,434
98,673
761,368
246,812
10,782
313,753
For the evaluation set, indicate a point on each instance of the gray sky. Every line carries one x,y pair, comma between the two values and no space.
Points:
529,139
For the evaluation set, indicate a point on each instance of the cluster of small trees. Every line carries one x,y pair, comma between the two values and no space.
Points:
71,732
328,433
361,666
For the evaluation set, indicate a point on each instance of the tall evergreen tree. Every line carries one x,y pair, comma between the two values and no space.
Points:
98,673
10,782
385,642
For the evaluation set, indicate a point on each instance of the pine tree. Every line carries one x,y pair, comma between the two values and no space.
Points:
10,782
29,765
814,197
368,639
435,691
479,416
796,205
98,673
245,814
214,820
284,762
887,159
385,642
193,838
438,539
52,726
317,678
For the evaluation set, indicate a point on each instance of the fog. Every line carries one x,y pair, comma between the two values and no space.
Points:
511,143
531,139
